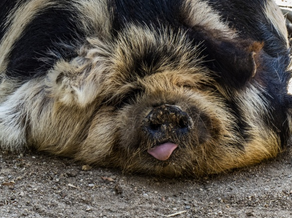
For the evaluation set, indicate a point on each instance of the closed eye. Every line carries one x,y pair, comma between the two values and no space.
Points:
129,97
120,100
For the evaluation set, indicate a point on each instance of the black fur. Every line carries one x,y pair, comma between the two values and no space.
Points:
29,57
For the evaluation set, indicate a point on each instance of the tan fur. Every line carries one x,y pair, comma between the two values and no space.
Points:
265,143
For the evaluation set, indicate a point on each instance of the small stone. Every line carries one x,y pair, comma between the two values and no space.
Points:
249,214
86,167
88,209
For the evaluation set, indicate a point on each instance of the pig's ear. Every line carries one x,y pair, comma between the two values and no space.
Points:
73,85
233,63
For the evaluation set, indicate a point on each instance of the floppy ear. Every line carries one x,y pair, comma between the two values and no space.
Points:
234,62
72,84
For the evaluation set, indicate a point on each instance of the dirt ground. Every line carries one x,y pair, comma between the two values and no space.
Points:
38,185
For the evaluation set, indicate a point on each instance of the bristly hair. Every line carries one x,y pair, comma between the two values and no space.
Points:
165,87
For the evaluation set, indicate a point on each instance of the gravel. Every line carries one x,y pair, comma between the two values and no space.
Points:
39,185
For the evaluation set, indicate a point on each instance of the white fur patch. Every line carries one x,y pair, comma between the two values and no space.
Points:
289,89
13,121
202,14
277,19
94,17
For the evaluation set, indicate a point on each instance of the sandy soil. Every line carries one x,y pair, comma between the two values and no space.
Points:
38,185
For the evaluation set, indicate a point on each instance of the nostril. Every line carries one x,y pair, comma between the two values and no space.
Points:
183,122
154,127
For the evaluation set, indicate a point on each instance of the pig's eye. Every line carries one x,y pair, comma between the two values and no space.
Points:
187,86
194,86
120,101
129,97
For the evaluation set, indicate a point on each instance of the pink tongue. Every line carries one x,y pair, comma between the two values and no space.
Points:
162,152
